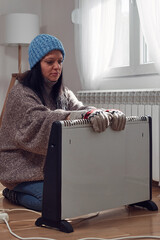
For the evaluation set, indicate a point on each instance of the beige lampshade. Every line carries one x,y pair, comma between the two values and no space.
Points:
18,28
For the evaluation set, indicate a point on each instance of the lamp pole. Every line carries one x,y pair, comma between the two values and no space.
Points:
19,58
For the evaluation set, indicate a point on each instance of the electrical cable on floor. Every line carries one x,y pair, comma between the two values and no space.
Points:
43,238
121,238
88,238
22,238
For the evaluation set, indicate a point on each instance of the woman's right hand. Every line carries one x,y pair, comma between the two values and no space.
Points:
99,119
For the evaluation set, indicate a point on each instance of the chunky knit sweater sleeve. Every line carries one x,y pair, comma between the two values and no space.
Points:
27,122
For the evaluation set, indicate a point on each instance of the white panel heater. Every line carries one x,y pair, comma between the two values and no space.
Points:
87,172
138,102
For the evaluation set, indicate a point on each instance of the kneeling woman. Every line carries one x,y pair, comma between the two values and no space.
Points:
34,103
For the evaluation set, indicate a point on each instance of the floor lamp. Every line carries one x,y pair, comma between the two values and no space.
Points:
18,29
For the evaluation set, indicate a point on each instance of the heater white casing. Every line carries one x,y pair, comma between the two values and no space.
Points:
104,170
87,172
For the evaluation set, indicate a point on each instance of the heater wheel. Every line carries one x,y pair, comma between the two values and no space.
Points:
65,226
150,205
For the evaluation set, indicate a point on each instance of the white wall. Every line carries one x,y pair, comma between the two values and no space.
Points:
139,82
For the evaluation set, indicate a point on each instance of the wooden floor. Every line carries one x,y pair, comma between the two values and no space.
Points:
120,222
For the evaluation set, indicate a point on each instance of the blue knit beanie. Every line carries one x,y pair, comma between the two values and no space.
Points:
41,45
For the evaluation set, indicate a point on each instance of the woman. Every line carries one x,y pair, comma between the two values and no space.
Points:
33,105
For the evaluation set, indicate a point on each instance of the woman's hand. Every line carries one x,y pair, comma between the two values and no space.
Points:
99,119
118,121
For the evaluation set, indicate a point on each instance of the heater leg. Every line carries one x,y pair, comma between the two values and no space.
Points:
62,225
150,205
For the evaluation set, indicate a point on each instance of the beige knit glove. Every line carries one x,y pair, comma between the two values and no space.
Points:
79,114
100,119
118,121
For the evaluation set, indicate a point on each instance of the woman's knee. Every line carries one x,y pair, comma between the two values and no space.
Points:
29,201
31,188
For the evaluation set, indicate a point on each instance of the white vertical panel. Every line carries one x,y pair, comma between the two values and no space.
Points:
128,110
110,106
148,110
116,106
92,98
155,142
122,108
102,100
141,110
134,110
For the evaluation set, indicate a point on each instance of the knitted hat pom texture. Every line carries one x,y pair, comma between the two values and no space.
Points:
41,45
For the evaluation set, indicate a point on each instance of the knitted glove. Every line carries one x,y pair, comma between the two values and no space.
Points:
118,119
79,114
100,119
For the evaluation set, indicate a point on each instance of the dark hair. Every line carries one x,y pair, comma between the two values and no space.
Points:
34,80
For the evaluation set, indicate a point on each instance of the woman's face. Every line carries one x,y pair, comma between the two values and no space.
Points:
51,65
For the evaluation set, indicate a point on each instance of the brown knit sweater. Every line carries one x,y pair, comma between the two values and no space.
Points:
25,131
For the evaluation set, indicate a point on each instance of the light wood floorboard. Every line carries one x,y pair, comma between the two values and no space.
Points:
120,222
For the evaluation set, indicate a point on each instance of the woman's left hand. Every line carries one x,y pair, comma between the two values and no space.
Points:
118,120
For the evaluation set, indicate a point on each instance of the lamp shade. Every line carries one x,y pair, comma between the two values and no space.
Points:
18,28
